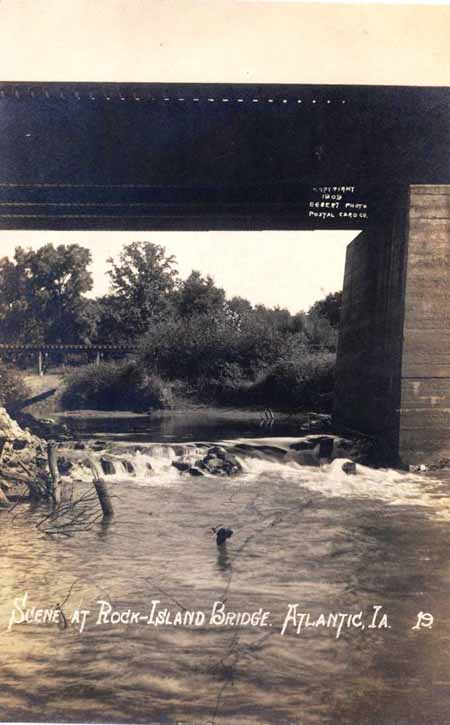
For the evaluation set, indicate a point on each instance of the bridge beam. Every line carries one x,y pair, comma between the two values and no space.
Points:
393,367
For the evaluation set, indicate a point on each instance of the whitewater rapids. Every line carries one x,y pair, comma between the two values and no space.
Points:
289,459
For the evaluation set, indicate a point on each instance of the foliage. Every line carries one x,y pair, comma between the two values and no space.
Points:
41,295
12,387
115,386
199,296
220,350
305,383
143,282
202,345
329,308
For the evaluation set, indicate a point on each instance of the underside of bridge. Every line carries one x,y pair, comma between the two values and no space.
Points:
215,156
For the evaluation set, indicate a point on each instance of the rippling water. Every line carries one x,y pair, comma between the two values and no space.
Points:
316,537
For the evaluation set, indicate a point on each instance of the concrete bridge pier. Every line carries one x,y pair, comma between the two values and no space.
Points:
393,365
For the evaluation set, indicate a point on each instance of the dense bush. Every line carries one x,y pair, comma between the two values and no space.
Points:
205,346
300,384
306,382
115,386
12,387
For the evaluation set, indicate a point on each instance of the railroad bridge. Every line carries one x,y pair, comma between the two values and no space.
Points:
216,156
43,353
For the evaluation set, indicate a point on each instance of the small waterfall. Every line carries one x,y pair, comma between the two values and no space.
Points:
294,460
159,462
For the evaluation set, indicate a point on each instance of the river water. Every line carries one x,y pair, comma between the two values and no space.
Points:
307,535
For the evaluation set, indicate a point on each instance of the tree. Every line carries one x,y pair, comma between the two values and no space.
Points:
329,307
143,282
41,295
199,296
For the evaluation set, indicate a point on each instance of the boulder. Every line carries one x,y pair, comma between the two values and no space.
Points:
349,467
181,466
98,445
195,471
219,462
64,465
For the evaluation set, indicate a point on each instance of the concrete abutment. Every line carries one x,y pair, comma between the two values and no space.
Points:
393,363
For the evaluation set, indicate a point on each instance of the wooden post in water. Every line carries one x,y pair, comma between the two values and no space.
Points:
40,366
97,358
55,489
104,498
102,491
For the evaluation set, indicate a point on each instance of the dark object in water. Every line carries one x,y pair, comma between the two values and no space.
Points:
349,467
195,471
181,465
98,445
64,465
326,448
107,466
127,465
222,534
219,462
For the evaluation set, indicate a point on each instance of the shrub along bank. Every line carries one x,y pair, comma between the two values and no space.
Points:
286,385
115,386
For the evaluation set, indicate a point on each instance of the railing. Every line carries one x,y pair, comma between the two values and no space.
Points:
43,350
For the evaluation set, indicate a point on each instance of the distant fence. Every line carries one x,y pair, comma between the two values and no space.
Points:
43,352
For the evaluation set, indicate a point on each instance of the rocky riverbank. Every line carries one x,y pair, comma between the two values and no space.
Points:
23,460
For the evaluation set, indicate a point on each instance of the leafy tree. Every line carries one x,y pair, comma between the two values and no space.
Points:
41,295
277,318
240,306
329,307
143,282
199,296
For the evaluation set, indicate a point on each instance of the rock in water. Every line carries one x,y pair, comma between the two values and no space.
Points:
349,467
64,465
195,471
219,462
181,465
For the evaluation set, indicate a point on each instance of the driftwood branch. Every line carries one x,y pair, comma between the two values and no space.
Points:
36,487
